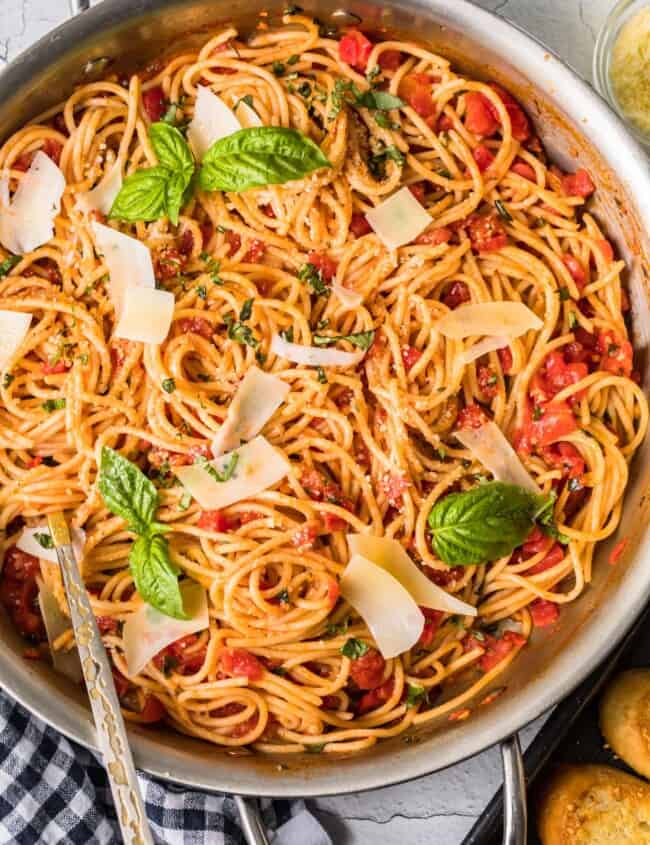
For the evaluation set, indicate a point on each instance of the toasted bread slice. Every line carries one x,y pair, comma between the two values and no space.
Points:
625,718
594,805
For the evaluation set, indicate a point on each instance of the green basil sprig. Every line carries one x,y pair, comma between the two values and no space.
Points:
128,493
154,192
259,156
485,523
362,340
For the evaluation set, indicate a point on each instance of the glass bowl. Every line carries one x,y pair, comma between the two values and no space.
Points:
622,12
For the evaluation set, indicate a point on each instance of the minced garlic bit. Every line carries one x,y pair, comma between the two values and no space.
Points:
629,70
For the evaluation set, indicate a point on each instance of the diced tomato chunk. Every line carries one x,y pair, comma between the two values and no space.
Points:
36,461
616,355
122,684
393,485
497,650
181,656
544,425
57,368
544,613
233,239
170,263
519,122
196,325
472,416
523,169
305,536
207,231
607,249
355,49
154,103
487,233
505,357
617,551
239,662
216,521
19,593
433,618
435,237
410,356
479,115
576,270
107,625
332,522
52,149
333,591
325,265
367,671
487,382
186,242
455,295
376,697
416,90
483,157
565,456
255,251
419,190
152,711
554,375
578,184
359,226
390,59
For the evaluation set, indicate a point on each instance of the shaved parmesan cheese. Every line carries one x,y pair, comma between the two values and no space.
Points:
56,623
27,222
128,260
102,196
399,219
146,315
212,120
314,356
148,631
247,116
258,397
488,344
259,466
349,298
491,447
14,326
391,555
28,542
395,620
509,319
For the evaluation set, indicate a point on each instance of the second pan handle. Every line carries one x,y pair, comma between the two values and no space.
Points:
515,814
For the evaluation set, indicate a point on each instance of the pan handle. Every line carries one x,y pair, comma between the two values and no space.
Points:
515,816
77,6
251,820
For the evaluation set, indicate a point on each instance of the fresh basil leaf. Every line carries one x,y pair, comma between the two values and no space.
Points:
354,649
378,100
143,196
8,264
259,156
127,492
314,278
246,310
482,524
363,340
171,148
156,576
175,195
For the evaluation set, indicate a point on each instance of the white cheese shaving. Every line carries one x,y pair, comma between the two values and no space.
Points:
491,447
488,344
509,319
349,298
146,315
28,543
128,260
212,120
27,221
391,555
314,356
259,466
387,608
399,219
148,631
14,326
102,196
257,398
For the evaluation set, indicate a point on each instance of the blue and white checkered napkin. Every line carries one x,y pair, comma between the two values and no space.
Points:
54,792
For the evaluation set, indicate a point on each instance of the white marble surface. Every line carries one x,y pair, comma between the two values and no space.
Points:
440,809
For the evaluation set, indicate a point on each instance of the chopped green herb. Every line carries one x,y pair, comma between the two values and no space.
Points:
414,695
213,267
492,380
314,278
573,320
538,413
283,597
49,461
354,649
304,89
362,340
564,294
382,120
333,630
612,349
444,173
442,452
260,357
292,9
7,379
293,59
248,99
377,161
246,310
53,405
169,385
278,68
314,747
170,114
8,264
219,475
202,291
287,334
322,377
240,332
373,73
323,324
185,502
44,540
84,358
504,214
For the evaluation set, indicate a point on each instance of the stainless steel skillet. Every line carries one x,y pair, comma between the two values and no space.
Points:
576,126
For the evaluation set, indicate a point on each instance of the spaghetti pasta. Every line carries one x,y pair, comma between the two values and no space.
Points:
371,446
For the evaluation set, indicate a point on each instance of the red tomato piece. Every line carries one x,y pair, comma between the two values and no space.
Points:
444,577
418,189
186,243
544,613
554,555
505,358
523,169
416,90
455,295
54,369
479,115
359,226
122,684
487,382
519,122
325,265
170,263
19,593
483,157
255,252
332,522
410,356
472,416
435,237
175,656
234,242
389,60
152,711
35,462
207,231
576,270
216,521
355,49
544,425
433,618
554,375
333,591
617,551
305,536
497,650
239,662
607,250
565,456
154,103
367,671
52,149
107,625
376,697
578,184
393,486
196,325
487,233
616,355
